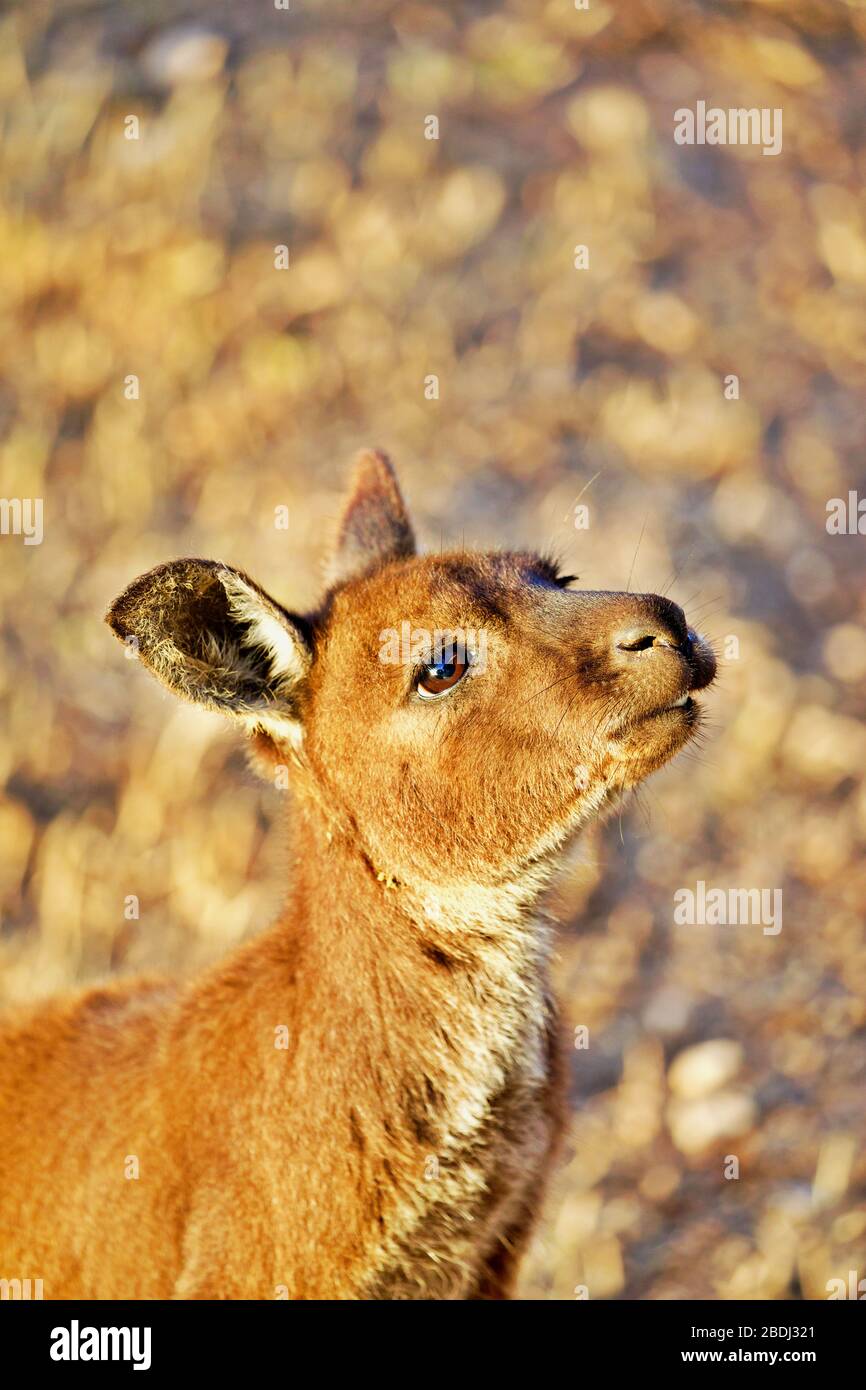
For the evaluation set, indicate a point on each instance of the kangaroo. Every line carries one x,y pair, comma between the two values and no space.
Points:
365,1101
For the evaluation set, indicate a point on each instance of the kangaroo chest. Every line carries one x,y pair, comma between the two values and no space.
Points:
482,1176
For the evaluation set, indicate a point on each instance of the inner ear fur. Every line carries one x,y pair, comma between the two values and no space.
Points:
211,635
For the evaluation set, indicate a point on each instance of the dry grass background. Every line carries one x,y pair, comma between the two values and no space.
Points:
409,257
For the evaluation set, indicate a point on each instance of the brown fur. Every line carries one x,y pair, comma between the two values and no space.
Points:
398,1146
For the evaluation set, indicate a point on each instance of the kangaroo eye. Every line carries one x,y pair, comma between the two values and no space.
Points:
441,676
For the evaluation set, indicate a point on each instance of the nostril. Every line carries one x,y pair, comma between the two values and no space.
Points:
636,640
639,639
653,622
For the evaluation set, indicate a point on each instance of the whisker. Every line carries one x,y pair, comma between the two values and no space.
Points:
678,569
569,676
639,802
565,711
687,602
636,549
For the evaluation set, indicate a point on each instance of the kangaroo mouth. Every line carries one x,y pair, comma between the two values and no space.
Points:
649,739
683,710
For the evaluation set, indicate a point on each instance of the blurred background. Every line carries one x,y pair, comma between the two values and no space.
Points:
164,387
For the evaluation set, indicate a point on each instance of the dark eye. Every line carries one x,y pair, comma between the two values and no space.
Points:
441,676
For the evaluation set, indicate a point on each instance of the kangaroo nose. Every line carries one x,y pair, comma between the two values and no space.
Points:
661,624
654,622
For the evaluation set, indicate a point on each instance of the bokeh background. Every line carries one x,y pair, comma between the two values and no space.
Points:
411,257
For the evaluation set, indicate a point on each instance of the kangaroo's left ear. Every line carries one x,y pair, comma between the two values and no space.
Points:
375,525
212,636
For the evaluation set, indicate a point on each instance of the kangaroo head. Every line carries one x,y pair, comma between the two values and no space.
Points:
460,715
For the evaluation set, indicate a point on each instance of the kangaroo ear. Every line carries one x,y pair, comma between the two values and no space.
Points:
375,525
212,636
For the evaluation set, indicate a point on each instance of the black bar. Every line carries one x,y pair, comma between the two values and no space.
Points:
244,1338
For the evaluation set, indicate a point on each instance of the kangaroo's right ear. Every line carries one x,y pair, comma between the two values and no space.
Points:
210,634
375,525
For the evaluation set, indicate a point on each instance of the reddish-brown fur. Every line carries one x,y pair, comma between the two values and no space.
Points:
398,1144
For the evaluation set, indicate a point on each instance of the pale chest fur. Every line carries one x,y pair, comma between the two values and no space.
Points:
490,1128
